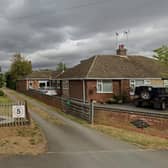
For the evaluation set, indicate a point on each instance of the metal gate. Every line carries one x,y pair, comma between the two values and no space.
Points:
14,114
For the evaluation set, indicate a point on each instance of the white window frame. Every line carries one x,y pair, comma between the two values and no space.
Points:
100,82
166,83
43,82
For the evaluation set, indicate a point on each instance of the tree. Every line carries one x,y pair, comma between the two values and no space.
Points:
161,54
19,68
10,82
1,78
61,67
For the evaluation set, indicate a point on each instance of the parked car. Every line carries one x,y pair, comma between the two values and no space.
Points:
48,91
156,97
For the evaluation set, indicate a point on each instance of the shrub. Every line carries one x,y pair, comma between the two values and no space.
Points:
118,99
113,100
1,93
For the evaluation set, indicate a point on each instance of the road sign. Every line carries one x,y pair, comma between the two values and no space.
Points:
18,111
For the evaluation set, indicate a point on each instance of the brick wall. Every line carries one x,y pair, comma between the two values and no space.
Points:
76,90
108,116
91,92
119,87
125,87
50,100
21,85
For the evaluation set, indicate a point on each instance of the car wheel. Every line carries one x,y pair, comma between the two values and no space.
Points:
163,105
145,95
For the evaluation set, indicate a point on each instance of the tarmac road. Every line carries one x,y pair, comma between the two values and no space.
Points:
72,145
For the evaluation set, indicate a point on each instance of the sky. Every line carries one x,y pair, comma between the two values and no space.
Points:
51,31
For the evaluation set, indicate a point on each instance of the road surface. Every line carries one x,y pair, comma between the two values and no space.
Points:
72,145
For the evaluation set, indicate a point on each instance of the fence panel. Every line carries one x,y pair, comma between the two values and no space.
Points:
76,108
67,105
14,114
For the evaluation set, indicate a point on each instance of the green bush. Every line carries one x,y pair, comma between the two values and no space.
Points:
120,99
1,93
112,101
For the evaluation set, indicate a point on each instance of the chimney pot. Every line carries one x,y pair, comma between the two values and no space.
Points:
122,50
121,46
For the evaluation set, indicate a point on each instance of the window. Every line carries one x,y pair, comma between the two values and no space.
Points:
147,82
43,84
166,83
58,84
135,83
65,84
139,82
104,86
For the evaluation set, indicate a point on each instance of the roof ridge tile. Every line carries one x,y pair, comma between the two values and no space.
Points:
91,67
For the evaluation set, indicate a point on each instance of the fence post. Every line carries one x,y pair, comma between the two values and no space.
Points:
27,113
92,111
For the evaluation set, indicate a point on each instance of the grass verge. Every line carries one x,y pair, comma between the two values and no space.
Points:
4,99
139,139
22,140
46,116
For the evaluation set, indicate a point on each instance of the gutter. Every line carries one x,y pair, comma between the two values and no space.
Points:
108,78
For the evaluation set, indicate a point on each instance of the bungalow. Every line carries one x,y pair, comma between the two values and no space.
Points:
37,80
103,76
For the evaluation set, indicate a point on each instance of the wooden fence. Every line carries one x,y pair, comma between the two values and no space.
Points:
67,105
14,114
78,109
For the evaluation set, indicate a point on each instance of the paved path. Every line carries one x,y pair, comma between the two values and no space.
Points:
72,145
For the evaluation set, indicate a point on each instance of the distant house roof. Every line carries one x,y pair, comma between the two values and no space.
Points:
115,66
43,74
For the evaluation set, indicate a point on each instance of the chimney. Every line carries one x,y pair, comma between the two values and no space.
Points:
122,50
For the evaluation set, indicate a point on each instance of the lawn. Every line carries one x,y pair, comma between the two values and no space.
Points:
27,139
22,140
4,99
